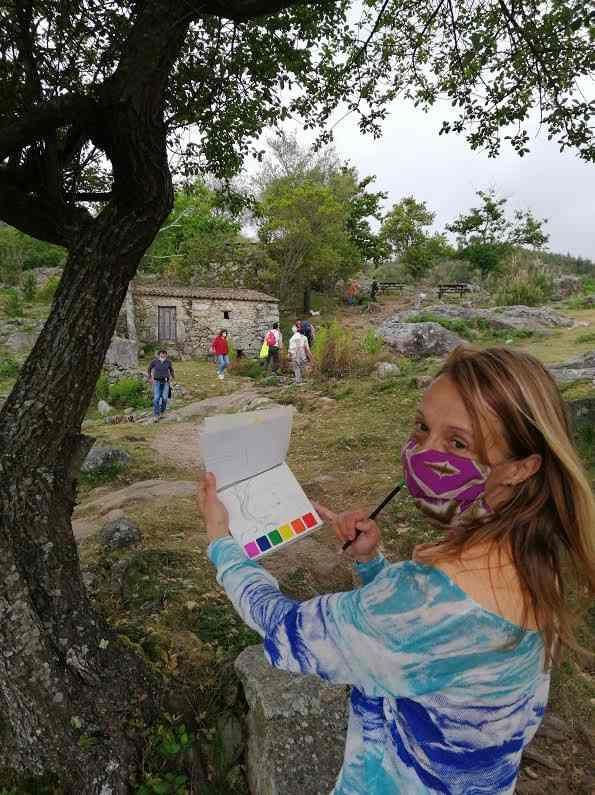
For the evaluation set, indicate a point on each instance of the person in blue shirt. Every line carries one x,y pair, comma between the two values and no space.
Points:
449,654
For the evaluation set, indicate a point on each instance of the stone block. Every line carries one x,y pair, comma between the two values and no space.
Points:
297,727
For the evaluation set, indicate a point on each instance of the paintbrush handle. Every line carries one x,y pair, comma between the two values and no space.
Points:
375,513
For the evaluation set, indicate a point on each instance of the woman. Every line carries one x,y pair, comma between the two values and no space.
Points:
449,654
220,348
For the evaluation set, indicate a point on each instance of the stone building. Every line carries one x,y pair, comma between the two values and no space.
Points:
185,319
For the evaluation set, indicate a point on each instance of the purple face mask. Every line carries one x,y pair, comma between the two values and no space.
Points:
446,487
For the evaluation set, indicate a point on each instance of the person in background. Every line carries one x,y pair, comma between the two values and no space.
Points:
374,290
299,353
448,654
307,329
274,339
220,348
161,374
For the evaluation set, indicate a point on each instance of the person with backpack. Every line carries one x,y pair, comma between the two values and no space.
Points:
220,348
307,329
274,339
299,353
161,374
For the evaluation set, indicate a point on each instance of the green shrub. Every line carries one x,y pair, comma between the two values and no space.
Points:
46,293
487,257
13,303
101,476
524,279
586,338
29,287
129,392
248,368
337,353
372,343
9,368
102,388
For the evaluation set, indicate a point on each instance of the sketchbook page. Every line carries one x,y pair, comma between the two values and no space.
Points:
239,446
268,511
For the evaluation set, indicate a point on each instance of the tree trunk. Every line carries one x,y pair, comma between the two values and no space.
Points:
73,699
307,299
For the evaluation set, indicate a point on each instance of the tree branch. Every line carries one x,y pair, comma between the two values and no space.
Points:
245,10
44,119
38,215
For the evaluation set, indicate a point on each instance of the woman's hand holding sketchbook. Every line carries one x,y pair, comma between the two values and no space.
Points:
265,504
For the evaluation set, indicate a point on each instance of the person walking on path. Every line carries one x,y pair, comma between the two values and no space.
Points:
220,348
448,654
274,339
161,375
299,353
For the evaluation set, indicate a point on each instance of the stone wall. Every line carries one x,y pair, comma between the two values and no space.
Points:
199,320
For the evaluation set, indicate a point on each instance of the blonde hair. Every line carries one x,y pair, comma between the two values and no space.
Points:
549,523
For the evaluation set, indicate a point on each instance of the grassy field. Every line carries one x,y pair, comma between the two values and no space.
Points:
162,595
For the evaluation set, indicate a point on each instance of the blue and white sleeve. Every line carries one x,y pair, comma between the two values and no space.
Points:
345,638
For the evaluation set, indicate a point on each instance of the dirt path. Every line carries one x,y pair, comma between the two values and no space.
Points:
178,443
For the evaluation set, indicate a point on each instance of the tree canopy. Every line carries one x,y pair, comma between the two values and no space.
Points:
231,71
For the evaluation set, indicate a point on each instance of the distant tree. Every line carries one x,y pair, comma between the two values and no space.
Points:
362,206
488,224
404,225
422,255
289,174
197,234
304,226
486,236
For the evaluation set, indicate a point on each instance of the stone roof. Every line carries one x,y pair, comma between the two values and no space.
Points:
212,293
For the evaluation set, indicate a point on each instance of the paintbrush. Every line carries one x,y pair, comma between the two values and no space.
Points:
375,512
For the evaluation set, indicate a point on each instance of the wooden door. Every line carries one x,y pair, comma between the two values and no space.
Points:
167,324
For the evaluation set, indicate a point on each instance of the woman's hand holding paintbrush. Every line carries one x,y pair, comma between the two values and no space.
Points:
363,534
357,529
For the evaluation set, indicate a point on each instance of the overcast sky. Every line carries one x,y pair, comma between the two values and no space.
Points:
412,159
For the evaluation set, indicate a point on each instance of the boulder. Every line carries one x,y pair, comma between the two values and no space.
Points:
122,354
419,339
507,318
296,728
20,341
120,533
580,368
100,458
387,370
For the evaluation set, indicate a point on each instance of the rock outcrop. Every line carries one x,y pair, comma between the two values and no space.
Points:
100,458
577,369
506,318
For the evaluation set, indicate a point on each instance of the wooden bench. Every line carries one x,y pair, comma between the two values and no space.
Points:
460,288
386,286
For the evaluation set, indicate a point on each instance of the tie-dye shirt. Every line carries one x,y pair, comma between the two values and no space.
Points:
445,695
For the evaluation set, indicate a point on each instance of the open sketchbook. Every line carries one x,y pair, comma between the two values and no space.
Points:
246,452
